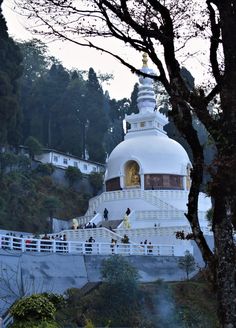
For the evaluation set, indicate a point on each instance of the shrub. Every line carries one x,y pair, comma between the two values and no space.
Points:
57,300
34,307
45,169
34,324
73,174
96,180
187,263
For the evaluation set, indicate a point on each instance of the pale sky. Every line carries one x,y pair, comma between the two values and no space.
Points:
74,56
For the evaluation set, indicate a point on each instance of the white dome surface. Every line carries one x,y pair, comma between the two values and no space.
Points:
154,153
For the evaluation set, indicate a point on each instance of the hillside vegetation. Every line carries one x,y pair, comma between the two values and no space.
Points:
28,198
156,305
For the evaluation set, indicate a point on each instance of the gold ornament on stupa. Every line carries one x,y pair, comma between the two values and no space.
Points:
145,59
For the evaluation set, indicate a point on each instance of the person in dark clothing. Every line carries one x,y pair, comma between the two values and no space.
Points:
128,211
105,214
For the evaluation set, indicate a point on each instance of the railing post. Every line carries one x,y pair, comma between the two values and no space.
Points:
130,249
38,245
23,245
11,242
69,247
54,246
173,250
83,248
145,249
98,248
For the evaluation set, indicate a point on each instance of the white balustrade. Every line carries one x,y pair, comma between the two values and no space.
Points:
158,198
86,248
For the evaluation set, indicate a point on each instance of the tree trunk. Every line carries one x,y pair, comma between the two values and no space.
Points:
225,264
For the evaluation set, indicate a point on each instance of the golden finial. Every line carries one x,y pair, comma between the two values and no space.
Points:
145,59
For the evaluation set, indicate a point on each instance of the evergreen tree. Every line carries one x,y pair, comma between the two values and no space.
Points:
187,263
36,63
71,122
73,174
96,117
133,107
45,97
10,71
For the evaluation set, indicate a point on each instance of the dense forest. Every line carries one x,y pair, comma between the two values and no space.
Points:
67,110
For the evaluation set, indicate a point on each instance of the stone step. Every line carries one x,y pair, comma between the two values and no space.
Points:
88,287
110,224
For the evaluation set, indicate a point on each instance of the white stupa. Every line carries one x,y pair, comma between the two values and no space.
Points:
148,172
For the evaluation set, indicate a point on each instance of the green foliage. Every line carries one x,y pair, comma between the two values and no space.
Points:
51,203
115,303
45,169
34,307
73,174
7,161
35,324
10,71
56,299
187,263
133,107
89,324
195,304
97,118
96,181
69,111
27,200
209,215
157,305
24,163
35,148
116,270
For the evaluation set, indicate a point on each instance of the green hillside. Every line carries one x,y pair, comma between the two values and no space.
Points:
28,198
157,305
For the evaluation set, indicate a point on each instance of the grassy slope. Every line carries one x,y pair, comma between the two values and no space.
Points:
180,304
162,305
22,201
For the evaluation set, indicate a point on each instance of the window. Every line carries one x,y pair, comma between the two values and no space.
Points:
163,181
65,161
75,164
85,167
142,124
55,158
94,169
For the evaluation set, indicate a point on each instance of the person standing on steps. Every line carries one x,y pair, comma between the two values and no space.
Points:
105,214
128,211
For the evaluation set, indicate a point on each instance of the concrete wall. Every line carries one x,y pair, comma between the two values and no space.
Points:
24,273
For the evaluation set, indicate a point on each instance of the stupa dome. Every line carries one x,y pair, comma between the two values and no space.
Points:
154,155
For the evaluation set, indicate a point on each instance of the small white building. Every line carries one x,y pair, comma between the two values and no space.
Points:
63,160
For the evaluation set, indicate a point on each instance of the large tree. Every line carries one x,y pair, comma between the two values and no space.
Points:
36,63
162,29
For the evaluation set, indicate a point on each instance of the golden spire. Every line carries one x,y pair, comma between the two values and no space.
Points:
145,59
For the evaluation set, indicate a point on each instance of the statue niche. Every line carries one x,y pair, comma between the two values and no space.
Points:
132,177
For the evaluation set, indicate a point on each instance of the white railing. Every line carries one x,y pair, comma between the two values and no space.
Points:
154,197
144,233
85,248
158,214
99,234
